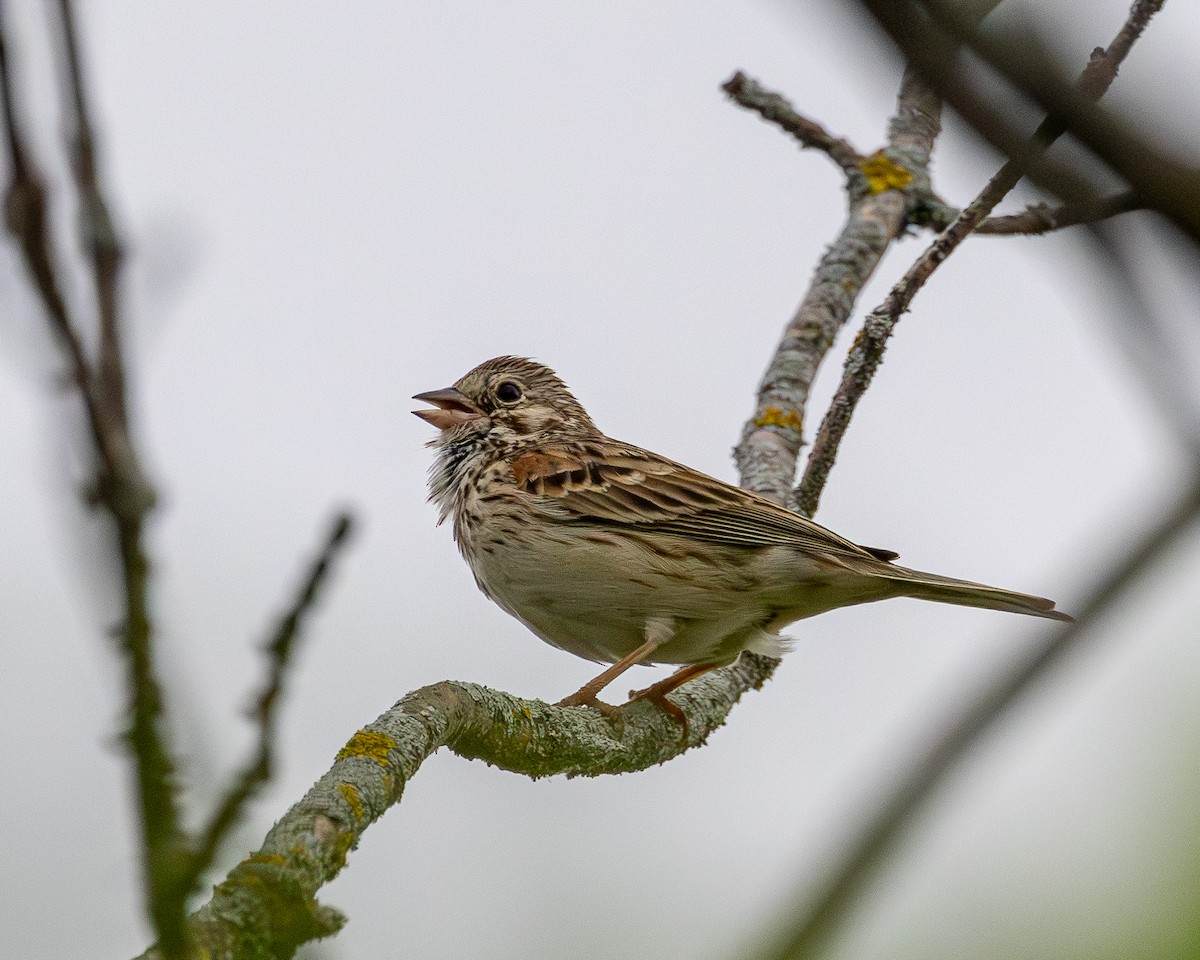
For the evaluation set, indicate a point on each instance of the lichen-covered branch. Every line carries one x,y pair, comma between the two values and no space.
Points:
267,904
771,439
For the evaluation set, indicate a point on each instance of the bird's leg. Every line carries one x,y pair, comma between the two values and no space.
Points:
657,692
658,630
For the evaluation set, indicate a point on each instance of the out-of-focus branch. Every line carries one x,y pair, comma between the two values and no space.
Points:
774,108
172,861
121,490
1170,188
25,219
279,649
96,225
889,822
868,349
1163,370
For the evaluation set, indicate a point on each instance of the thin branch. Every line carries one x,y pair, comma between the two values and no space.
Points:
26,220
279,650
124,492
1041,218
867,352
774,108
936,55
96,225
886,827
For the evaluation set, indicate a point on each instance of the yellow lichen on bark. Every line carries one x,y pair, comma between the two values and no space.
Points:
774,417
350,792
883,173
369,744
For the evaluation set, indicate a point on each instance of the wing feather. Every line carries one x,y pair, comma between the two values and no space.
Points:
620,485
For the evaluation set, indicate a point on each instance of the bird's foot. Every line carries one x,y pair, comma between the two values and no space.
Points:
657,693
670,708
587,698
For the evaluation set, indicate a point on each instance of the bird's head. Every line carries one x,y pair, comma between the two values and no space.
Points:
509,398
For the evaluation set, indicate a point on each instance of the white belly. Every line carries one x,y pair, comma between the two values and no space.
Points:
591,591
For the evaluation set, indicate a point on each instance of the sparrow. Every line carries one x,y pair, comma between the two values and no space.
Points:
622,556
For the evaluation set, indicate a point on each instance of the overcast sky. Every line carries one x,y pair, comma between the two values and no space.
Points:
331,207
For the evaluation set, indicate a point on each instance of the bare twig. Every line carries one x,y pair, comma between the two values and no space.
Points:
774,108
868,349
173,862
123,491
28,222
1074,107
1040,218
279,650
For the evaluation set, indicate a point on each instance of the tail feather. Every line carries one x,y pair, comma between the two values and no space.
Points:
931,586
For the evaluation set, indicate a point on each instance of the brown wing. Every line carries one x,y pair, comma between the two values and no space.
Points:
618,485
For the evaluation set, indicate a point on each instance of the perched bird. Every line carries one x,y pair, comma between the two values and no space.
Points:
621,556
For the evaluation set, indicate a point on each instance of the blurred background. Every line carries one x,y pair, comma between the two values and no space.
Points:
333,207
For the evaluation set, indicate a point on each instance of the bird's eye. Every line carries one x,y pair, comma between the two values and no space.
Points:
508,392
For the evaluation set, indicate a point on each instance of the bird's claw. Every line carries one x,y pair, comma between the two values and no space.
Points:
585,698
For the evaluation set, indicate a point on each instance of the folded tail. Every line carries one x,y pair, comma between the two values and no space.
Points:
930,586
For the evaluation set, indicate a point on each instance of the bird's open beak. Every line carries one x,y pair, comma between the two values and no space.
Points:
452,408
